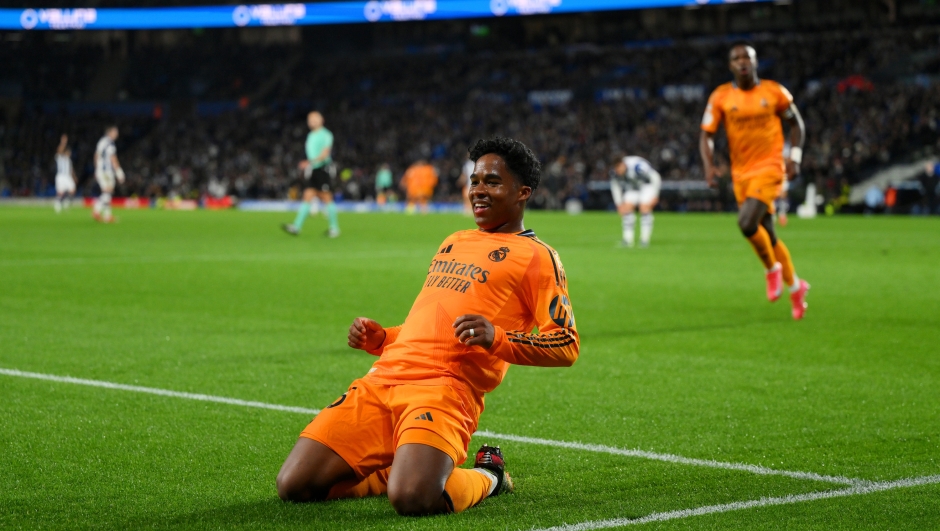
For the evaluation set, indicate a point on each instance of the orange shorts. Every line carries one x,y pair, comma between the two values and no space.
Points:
765,189
370,421
419,197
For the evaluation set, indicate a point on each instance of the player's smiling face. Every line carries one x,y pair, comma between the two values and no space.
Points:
498,197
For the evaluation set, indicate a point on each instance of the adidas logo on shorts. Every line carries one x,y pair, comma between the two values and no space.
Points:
425,416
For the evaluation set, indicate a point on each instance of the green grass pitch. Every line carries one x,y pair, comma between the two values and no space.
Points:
680,354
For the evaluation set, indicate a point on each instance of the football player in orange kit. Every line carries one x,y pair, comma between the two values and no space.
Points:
752,110
404,427
419,182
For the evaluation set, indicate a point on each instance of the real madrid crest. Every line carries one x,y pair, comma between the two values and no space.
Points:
499,254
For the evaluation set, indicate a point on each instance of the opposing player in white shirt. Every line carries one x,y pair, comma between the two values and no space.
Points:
64,175
634,183
107,169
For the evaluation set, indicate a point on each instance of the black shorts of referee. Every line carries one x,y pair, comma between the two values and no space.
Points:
320,180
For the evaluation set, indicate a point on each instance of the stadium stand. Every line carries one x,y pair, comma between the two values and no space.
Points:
213,114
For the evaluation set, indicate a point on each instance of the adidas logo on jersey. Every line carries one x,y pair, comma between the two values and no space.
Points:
446,250
425,416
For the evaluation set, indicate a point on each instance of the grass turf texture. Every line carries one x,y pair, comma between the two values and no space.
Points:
681,353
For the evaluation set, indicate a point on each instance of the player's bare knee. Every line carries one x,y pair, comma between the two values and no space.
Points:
287,486
293,488
413,500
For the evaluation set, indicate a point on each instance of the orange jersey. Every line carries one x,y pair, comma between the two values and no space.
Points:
515,281
752,123
420,180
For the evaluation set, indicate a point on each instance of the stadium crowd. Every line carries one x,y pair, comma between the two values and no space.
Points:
867,98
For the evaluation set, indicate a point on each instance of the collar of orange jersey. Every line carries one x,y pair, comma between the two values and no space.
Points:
735,84
527,232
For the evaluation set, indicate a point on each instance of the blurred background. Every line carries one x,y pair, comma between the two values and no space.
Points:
221,112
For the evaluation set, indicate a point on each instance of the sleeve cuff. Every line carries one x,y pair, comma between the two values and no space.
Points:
381,349
500,342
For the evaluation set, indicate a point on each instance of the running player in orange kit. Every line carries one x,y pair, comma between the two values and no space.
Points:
419,182
403,428
752,110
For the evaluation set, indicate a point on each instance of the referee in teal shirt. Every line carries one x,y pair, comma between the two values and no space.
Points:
318,181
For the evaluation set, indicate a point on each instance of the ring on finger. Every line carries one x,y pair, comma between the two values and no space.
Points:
473,333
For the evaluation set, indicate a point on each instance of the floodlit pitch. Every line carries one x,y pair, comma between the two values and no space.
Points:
695,404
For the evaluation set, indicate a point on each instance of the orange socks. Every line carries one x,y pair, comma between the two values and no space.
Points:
464,487
373,485
783,256
760,241
467,488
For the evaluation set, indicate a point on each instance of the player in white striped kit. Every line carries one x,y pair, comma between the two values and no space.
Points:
64,175
633,183
107,169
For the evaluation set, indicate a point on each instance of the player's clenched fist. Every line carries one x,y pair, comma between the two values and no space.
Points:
474,330
366,334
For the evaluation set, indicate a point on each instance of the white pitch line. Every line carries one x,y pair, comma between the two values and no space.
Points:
155,391
858,487
861,488
671,458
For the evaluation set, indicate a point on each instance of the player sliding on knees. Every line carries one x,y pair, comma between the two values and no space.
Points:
634,183
403,428
751,110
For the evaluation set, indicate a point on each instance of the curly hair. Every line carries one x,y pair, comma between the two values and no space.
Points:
524,165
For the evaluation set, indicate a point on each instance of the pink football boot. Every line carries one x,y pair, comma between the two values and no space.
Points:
775,282
798,299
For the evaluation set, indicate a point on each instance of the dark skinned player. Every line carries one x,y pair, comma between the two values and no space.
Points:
403,428
753,111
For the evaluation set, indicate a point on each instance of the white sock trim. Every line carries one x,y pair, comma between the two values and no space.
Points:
492,476
796,284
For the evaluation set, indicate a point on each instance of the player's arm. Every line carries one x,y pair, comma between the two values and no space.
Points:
403,183
616,191
118,171
706,141
63,143
325,154
791,116
368,335
556,344
326,151
706,148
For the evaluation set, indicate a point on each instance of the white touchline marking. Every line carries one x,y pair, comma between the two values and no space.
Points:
861,488
155,391
671,458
